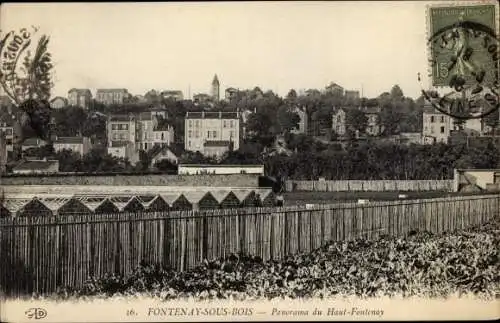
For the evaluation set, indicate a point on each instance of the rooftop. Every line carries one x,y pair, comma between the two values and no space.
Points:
371,110
121,117
60,98
111,90
116,144
212,115
69,140
171,92
81,91
36,165
33,142
218,143
220,165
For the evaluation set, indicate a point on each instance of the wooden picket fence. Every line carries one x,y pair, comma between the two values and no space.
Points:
369,186
40,254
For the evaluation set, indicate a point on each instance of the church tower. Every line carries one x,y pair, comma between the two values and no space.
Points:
215,88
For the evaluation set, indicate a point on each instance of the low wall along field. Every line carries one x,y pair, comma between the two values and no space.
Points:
40,254
370,186
230,180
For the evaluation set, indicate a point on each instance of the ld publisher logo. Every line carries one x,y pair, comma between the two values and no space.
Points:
36,313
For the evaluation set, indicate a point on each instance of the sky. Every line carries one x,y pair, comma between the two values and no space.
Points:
365,46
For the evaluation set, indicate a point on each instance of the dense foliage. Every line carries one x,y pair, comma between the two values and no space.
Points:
422,264
378,161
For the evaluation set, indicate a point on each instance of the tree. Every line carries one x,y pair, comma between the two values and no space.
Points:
29,86
70,121
259,124
144,160
69,161
396,93
356,120
287,119
390,120
291,97
165,165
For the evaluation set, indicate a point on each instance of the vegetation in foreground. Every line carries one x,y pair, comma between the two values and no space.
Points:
464,263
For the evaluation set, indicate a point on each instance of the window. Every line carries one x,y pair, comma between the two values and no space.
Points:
197,123
197,134
115,136
114,126
190,133
122,136
190,123
162,136
432,118
231,123
442,129
215,134
224,124
442,119
189,143
231,134
208,134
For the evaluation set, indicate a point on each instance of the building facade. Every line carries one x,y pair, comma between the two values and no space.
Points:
303,120
436,126
125,150
30,143
3,154
212,132
339,122
230,93
190,169
80,145
58,102
142,130
335,89
121,128
112,96
171,94
80,98
373,127
10,129
201,98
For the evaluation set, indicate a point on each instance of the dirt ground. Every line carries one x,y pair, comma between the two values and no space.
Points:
297,198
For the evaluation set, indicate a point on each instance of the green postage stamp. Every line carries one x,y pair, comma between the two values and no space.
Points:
463,45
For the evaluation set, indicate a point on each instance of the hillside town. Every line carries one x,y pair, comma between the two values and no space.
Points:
250,152
160,129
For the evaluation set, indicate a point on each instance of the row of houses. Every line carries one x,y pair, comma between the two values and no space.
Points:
83,97
437,126
128,134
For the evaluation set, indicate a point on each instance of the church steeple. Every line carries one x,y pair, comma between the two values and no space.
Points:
215,88
215,80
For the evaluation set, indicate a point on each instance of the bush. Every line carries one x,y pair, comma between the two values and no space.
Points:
423,265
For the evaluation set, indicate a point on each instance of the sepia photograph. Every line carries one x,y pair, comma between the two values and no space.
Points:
249,161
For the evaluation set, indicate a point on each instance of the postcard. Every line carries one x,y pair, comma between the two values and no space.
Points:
249,161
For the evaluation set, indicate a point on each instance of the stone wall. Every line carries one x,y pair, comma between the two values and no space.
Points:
232,180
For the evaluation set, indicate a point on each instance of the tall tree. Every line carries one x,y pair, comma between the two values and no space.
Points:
28,86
